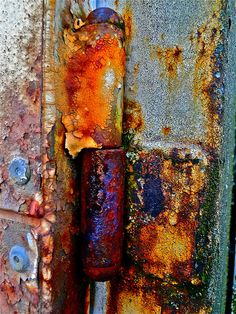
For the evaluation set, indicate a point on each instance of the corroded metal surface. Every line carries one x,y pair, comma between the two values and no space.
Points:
19,290
175,102
20,136
91,89
60,258
20,114
102,211
178,107
165,192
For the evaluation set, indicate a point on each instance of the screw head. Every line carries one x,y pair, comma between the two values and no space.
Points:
19,171
19,259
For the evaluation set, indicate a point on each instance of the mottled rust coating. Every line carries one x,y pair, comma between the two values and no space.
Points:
93,74
102,198
164,198
174,209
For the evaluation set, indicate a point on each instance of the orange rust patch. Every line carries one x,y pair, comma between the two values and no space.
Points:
131,302
167,245
170,57
85,81
133,119
94,69
166,131
136,69
138,294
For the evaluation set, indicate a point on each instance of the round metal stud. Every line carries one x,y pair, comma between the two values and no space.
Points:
19,171
19,259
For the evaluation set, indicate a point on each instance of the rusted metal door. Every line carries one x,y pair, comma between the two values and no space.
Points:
178,135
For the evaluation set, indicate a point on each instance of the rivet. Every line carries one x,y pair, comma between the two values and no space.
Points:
19,259
19,171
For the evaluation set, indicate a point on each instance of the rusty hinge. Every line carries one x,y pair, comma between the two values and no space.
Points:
94,84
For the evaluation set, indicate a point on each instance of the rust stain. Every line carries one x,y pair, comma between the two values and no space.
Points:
69,285
134,86
206,40
165,247
163,203
130,302
116,3
47,241
170,244
127,15
133,293
170,57
66,241
59,184
128,19
136,69
166,130
14,293
133,119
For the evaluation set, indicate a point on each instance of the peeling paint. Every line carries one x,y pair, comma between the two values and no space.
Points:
20,139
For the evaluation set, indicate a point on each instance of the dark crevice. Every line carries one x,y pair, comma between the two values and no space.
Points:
229,295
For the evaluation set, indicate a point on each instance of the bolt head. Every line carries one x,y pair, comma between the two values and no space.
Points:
19,171
19,259
105,15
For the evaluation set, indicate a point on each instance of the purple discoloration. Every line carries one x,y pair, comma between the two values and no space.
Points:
102,196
